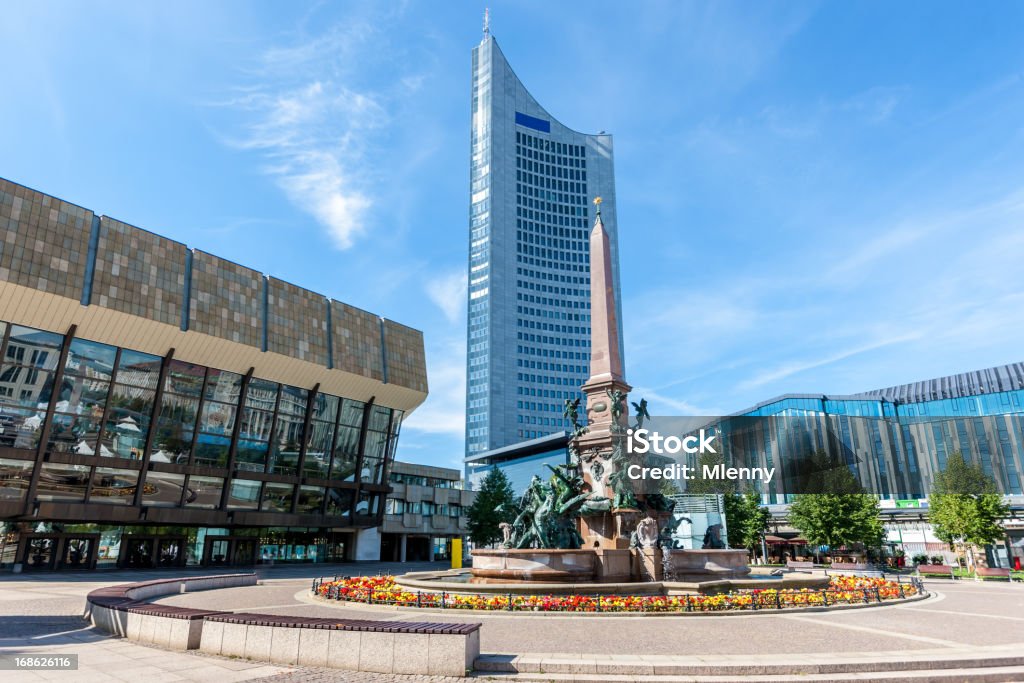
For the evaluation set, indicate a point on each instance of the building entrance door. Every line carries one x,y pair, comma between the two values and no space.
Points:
39,552
145,552
223,551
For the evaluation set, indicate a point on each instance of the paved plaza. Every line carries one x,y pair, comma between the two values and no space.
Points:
41,614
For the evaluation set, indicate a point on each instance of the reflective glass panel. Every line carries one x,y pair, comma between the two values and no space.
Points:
185,378
174,429
318,450
20,427
372,471
62,482
203,492
339,502
311,499
34,348
348,440
375,442
245,494
138,369
225,386
325,407
113,486
262,394
352,413
379,418
83,396
256,424
293,401
26,387
14,478
277,497
251,455
217,418
128,421
75,433
90,359
368,504
163,489
211,450
287,442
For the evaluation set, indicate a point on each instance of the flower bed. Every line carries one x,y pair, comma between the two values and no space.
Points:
842,590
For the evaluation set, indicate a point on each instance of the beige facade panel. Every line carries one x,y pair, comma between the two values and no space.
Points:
357,343
29,306
296,322
407,364
139,272
227,300
44,241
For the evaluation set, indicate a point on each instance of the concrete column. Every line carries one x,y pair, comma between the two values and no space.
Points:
403,547
430,549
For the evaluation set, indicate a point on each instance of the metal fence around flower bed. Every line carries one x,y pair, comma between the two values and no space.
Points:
845,590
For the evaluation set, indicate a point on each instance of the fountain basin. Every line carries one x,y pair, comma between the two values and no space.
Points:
461,581
709,565
535,564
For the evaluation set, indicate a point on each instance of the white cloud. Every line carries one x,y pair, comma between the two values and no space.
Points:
313,139
449,293
319,129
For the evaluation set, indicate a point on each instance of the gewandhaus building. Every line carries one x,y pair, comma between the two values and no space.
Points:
161,406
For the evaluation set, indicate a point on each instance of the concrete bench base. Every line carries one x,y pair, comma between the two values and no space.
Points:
388,647
436,654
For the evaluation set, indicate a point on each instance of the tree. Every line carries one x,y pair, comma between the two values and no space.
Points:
838,513
964,507
756,522
700,485
494,504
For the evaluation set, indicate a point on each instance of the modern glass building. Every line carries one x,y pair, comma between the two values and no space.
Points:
161,406
521,461
533,181
894,439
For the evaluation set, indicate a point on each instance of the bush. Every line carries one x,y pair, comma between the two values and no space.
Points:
920,559
938,559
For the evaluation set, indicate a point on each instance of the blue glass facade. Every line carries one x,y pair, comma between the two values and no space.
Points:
894,439
532,184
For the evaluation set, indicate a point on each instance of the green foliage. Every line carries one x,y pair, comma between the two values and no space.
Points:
701,486
495,503
837,512
746,519
965,508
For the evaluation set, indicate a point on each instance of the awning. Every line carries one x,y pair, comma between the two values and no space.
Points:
780,540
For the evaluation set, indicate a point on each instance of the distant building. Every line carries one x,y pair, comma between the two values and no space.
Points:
520,461
424,511
893,439
162,406
533,181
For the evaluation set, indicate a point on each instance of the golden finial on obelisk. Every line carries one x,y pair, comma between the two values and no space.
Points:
597,203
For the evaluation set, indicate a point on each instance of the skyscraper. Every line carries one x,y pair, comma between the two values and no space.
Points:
533,181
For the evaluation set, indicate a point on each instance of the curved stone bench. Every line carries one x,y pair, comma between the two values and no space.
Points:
400,647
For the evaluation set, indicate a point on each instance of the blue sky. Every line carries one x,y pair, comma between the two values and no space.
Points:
812,197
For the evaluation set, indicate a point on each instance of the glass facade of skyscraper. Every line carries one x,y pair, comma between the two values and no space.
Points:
532,184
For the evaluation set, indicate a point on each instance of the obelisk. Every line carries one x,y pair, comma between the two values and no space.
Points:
606,422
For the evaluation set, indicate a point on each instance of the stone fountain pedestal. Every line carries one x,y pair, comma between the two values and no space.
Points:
535,564
691,565
606,565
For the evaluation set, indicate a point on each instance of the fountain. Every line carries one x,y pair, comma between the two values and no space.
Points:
588,524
